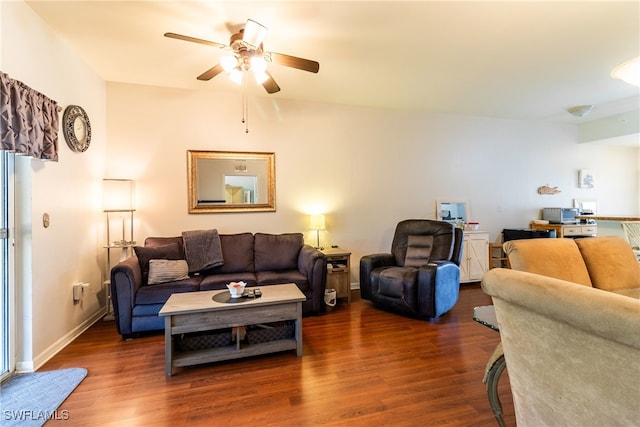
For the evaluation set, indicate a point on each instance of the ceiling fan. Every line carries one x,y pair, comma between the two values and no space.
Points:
248,55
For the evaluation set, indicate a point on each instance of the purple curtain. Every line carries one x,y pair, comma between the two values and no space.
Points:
28,120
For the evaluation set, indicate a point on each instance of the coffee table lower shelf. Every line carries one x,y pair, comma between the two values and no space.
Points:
217,354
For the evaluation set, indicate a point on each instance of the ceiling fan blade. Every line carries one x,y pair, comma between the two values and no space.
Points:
211,73
254,33
292,61
270,84
194,40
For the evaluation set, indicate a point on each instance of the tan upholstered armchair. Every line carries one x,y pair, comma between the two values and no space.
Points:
421,275
569,318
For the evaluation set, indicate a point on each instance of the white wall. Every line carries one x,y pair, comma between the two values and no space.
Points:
366,168
52,259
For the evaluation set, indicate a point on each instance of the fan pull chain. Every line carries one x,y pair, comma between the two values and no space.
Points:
245,107
245,114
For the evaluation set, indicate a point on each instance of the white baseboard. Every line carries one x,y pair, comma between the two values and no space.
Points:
355,286
65,340
24,367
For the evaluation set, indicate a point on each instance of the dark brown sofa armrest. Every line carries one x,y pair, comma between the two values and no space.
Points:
126,279
313,264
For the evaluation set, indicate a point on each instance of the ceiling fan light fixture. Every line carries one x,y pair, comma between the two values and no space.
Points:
236,76
254,33
628,71
580,110
260,76
258,64
228,62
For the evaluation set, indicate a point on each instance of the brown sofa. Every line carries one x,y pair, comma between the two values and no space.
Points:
569,316
258,259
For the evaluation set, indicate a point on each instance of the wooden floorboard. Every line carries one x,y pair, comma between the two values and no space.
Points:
360,367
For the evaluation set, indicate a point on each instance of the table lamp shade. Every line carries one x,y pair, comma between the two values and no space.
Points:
118,195
316,222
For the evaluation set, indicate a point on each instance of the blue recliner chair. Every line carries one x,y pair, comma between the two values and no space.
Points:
421,276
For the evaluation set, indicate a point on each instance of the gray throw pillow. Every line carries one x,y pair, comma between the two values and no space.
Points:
165,270
146,253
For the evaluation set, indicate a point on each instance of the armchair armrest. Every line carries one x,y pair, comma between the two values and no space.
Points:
438,288
126,279
313,264
367,264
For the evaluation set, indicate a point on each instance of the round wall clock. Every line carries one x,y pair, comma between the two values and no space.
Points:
76,128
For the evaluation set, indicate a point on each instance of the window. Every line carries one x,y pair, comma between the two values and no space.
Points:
7,323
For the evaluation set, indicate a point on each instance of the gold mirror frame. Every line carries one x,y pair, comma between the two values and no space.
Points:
204,167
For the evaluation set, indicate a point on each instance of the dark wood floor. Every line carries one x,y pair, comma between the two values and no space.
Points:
361,367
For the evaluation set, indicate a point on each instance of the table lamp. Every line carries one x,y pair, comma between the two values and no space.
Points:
316,222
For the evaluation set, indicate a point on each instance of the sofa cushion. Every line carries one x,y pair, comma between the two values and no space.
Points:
221,280
147,253
162,241
165,270
237,252
159,294
396,281
146,309
277,251
611,262
280,277
559,258
631,293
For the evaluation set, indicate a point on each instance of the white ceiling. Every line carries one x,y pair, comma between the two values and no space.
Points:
508,59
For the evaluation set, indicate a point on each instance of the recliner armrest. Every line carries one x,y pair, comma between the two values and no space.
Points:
377,260
367,264
438,287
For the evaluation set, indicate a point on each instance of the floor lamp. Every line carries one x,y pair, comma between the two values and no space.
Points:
117,198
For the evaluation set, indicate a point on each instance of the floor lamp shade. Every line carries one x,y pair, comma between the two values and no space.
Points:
118,195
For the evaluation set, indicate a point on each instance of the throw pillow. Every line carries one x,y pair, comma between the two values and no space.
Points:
164,270
277,251
146,253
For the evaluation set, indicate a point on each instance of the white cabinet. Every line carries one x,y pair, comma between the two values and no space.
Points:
475,256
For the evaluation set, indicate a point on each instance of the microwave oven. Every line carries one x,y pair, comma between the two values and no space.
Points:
560,215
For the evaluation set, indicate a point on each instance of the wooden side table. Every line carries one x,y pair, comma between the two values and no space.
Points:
339,271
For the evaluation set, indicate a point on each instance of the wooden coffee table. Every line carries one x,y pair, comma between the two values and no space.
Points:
198,312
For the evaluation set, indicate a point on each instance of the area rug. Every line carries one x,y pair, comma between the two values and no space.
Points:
32,399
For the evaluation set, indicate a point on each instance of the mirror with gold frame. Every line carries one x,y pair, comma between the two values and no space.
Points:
226,181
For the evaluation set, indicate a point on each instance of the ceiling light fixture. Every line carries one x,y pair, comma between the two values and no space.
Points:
254,33
228,62
628,71
580,110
